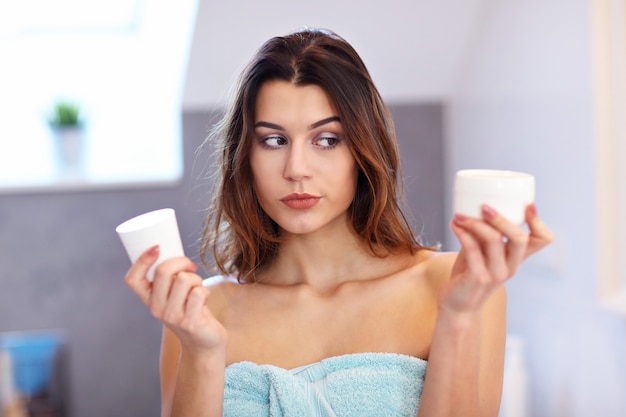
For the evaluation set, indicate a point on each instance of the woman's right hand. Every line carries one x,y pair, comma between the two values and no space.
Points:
178,299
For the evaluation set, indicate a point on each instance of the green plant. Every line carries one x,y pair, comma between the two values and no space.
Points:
65,114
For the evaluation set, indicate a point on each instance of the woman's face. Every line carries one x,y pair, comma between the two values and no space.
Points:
304,174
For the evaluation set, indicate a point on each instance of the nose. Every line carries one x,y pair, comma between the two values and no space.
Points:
297,163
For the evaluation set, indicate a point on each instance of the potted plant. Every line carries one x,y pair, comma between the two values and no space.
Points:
67,129
65,115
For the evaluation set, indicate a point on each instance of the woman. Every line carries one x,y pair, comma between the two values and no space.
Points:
326,303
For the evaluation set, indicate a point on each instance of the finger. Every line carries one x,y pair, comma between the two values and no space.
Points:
516,238
136,276
540,235
196,302
471,251
164,278
176,264
492,246
183,284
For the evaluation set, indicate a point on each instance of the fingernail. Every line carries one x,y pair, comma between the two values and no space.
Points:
459,218
154,251
532,209
488,212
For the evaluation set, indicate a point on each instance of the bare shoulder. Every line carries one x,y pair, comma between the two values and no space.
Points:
440,261
437,266
223,290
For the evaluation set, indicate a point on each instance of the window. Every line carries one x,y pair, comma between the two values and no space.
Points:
123,62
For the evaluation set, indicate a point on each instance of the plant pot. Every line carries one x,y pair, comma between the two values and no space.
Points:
68,144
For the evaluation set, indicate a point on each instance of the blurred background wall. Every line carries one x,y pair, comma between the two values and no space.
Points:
481,83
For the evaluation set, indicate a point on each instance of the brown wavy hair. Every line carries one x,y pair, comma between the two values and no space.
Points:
238,233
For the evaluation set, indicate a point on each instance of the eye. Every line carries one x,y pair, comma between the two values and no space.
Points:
327,141
273,141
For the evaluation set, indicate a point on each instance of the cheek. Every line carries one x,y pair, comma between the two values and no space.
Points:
256,167
345,179
261,176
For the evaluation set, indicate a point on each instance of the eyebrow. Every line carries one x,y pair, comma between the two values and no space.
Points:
313,126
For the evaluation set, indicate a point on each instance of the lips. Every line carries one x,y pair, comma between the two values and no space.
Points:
300,201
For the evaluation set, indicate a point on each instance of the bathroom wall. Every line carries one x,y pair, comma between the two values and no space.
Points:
524,102
63,265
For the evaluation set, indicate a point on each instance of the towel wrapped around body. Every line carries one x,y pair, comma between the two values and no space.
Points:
360,384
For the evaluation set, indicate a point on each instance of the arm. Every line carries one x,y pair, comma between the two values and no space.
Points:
194,342
466,359
170,355
466,362
190,382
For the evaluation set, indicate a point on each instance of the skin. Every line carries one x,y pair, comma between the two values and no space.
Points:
326,295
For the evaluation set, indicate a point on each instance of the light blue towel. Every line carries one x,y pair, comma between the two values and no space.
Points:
359,385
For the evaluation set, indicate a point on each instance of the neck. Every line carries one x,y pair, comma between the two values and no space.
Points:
323,260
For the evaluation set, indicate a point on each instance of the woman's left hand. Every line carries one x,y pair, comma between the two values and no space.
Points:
492,249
